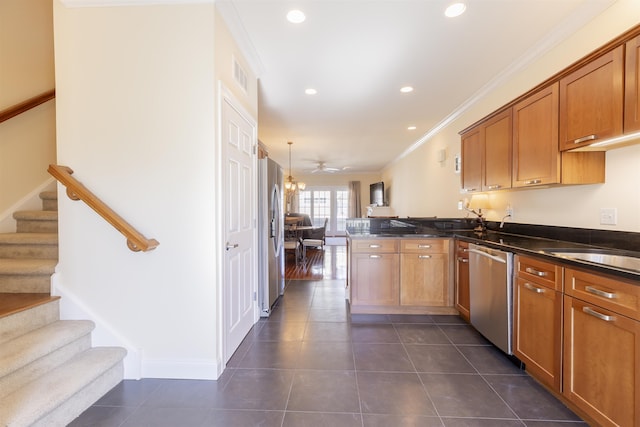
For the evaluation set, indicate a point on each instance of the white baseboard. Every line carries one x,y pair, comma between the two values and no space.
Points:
31,201
194,369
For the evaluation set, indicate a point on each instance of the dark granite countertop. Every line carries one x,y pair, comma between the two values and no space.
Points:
531,243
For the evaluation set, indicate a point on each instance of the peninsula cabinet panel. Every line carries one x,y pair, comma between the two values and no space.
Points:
496,135
632,86
536,158
471,175
424,280
375,279
591,101
601,359
462,279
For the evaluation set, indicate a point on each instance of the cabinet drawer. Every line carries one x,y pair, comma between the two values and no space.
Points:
540,272
424,246
374,245
613,294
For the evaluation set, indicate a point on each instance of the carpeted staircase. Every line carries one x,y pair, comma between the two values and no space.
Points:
49,373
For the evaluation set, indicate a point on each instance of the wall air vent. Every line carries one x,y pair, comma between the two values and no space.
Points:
239,75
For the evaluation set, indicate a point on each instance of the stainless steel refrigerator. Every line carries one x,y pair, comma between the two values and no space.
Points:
271,234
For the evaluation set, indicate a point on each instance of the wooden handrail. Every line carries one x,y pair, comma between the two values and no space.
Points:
76,191
26,105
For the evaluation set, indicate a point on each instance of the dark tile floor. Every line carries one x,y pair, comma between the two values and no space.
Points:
312,364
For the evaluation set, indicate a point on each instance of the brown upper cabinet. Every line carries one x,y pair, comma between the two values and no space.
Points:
486,154
471,161
632,86
536,160
496,135
591,101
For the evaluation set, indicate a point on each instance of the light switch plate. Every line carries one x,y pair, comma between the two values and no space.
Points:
608,216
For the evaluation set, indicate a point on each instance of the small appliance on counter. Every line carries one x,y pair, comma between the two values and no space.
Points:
380,212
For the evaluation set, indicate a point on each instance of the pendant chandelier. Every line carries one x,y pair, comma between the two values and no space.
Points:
291,185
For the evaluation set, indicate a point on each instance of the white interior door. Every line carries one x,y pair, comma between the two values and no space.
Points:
240,195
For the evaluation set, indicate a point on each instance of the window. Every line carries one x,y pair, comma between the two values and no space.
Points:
326,202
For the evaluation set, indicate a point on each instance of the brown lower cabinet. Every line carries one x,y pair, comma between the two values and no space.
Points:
578,332
602,348
400,276
537,316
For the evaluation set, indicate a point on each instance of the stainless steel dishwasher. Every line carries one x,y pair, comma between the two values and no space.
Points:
490,293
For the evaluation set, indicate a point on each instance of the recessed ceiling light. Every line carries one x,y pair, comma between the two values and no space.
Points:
411,128
406,89
296,16
455,9
310,91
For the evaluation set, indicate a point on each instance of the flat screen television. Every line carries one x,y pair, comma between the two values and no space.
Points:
376,193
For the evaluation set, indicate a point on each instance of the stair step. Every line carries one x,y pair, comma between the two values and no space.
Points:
29,245
36,221
29,356
22,313
49,200
26,275
57,397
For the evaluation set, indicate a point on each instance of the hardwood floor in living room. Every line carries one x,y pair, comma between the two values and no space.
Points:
328,263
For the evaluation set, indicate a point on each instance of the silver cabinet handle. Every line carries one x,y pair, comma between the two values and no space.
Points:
494,187
463,260
461,249
424,256
536,272
230,246
375,256
375,246
535,289
532,181
603,294
585,138
424,246
592,312
468,190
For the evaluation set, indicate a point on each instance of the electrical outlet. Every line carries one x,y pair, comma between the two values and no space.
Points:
608,216
509,210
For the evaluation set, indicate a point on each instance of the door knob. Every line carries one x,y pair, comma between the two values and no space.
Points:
230,246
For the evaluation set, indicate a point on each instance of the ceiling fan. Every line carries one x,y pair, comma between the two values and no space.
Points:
322,167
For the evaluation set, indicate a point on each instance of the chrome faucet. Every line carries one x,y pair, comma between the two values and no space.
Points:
481,227
503,218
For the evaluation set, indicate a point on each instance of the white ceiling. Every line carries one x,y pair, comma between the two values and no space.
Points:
358,54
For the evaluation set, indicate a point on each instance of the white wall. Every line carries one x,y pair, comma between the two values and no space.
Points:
137,96
420,185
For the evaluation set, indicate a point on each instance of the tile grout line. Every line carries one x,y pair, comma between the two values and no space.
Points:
424,387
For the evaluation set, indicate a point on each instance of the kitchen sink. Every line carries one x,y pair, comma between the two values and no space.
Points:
624,262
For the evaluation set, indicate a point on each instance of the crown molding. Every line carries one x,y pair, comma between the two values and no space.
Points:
113,3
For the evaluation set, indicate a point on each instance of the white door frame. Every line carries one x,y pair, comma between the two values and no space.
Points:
225,95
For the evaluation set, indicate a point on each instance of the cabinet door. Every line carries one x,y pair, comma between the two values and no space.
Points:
424,280
632,86
537,329
601,359
536,158
462,279
374,279
591,101
496,135
471,161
